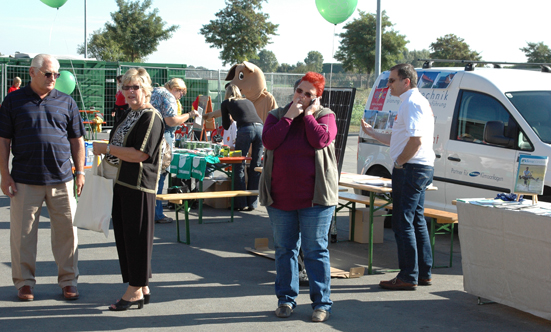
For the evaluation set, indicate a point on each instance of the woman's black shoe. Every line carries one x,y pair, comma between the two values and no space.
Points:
125,305
250,208
146,298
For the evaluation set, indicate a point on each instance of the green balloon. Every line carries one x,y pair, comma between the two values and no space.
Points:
66,82
336,11
54,3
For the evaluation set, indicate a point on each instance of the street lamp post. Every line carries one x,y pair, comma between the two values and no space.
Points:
85,39
378,41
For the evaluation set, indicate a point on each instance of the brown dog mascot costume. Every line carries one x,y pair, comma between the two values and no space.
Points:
252,83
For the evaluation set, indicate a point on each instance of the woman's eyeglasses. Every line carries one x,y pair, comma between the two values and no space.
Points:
307,94
48,74
131,87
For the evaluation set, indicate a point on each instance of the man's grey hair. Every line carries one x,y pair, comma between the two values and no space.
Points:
38,61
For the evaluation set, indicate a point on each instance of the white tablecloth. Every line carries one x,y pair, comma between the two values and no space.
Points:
506,257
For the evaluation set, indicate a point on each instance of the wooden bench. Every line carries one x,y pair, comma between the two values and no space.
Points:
180,201
442,221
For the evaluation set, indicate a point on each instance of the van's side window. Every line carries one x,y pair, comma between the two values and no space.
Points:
475,110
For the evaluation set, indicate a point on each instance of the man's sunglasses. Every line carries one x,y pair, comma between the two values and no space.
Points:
48,74
131,87
307,94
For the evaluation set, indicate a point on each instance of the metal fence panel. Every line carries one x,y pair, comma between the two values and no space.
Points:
97,86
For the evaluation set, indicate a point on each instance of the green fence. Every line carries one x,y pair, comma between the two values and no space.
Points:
96,81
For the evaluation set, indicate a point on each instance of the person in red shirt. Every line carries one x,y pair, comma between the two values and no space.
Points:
16,84
121,107
299,187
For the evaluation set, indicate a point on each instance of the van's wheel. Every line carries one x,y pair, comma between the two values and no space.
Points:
382,172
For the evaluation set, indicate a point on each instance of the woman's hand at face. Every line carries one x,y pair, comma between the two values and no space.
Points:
295,109
313,107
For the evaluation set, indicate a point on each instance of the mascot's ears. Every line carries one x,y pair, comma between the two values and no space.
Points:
231,74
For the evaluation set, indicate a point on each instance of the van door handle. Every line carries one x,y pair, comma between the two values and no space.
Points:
454,159
438,155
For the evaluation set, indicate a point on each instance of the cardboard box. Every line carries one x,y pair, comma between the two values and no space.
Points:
361,229
217,184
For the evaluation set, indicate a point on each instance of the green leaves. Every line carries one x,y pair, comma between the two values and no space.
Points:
240,30
537,52
134,33
451,47
266,61
357,49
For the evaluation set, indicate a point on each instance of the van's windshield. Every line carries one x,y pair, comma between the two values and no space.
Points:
535,108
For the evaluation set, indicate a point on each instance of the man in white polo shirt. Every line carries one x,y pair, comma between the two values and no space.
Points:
411,149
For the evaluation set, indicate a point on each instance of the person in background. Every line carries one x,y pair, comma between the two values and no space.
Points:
411,149
121,107
249,133
44,129
133,160
16,84
164,100
299,187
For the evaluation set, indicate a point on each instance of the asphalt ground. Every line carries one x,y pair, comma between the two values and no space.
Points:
214,284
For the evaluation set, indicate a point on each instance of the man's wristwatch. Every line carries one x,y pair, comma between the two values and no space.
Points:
396,165
80,173
108,149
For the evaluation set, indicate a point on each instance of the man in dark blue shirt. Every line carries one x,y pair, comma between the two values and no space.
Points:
44,128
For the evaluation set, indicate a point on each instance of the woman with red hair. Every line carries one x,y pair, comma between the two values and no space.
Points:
299,187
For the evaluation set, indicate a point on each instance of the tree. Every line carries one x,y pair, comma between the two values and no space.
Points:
412,56
537,52
357,49
314,61
300,68
267,61
134,33
285,68
239,30
451,47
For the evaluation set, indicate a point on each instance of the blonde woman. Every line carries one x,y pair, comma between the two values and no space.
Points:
164,99
133,160
16,84
249,133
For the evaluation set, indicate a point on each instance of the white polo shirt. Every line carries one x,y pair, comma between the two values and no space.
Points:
414,119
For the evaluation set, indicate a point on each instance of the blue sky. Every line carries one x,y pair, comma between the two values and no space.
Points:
495,29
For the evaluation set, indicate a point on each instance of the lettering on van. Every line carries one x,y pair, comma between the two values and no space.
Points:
437,99
475,174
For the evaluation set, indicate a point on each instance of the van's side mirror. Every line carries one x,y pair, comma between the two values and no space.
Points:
494,134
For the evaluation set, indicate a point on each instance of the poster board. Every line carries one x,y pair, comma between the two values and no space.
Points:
204,106
530,175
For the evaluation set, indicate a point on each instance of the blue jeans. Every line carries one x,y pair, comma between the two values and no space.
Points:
307,228
247,136
408,221
159,204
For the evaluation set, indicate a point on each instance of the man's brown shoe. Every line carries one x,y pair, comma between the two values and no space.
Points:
397,284
425,282
25,293
70,293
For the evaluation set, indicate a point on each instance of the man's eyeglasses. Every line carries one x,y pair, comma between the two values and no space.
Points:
131,87
392,80
307,94
48,74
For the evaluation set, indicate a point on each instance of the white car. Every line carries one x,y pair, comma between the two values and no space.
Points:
485,118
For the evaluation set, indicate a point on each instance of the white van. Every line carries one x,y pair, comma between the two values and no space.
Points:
484,119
